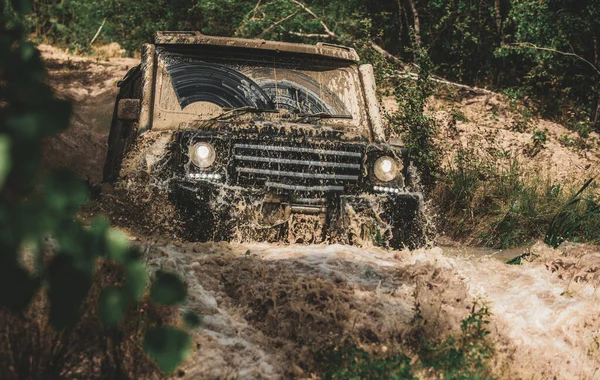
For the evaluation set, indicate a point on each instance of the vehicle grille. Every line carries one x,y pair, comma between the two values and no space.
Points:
288,167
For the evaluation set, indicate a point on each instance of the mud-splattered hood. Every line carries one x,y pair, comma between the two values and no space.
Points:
276,129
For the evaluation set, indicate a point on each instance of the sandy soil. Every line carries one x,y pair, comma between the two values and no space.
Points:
266,307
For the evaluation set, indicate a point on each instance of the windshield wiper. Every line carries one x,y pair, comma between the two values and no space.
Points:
231,112
321,115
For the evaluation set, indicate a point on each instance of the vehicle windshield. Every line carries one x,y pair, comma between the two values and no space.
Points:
192,87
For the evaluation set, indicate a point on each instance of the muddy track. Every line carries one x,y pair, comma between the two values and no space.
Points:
267,307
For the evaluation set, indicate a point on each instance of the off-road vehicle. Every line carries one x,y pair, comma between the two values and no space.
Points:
273,140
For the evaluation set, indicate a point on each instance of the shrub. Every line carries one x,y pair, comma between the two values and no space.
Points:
351,362
417,130
571,220
36,205
466,356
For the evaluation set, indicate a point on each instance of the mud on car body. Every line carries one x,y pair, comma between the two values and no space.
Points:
267,140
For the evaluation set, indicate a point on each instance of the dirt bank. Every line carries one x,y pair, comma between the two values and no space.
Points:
489,126
91,85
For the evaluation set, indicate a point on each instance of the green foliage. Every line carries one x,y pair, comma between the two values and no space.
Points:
489,195
112,304
352,363
538,139
35,204
465,357
417,129
571,219
192,320
168,346
167,289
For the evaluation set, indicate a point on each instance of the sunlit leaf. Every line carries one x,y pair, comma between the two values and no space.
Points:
167,346
117,244
136,279
112,305
167,289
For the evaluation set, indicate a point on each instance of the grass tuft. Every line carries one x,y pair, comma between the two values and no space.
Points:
491,200
572,220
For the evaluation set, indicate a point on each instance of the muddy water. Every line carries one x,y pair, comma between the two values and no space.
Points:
543,325
468,252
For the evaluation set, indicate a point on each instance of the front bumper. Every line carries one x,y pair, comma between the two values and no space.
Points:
212,210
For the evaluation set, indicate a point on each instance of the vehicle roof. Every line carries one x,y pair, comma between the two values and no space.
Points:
197,38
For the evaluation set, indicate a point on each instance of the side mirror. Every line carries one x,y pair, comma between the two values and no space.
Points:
129,109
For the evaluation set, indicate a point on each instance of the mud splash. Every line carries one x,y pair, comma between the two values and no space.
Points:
267,306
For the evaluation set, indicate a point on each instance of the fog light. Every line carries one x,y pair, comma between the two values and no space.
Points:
205,176
385,189
386,168
202,154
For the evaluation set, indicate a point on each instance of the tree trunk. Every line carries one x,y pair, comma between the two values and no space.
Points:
416,21
406,23
595,116
498,16
400,23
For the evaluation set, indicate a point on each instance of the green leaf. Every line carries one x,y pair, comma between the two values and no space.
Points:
167,346
515,260
112,305
22,6
167,289
136,279
5,162
117,244
192,319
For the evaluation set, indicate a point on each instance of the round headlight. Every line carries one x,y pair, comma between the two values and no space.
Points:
386,168
202,154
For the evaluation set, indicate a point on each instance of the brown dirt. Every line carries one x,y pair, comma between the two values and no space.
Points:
90,84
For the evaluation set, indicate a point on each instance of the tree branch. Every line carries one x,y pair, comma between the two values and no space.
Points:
276,24
310,12
417,23
436,79
534,47
309,35
98,32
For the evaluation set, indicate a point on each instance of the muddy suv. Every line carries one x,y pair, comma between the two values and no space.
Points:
266,140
